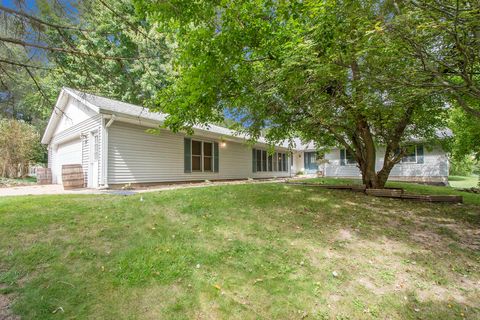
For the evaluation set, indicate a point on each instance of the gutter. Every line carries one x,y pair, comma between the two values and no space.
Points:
105,127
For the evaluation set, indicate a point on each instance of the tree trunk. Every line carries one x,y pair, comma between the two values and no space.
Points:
371,178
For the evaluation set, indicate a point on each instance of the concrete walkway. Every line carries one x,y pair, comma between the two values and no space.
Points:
53,189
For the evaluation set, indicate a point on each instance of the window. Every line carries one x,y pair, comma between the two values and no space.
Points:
259,160
264,162
207,156
96,147
349,157
410,154
200,156
196,155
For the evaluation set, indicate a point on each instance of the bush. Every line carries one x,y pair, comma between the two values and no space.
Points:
19,146
465,166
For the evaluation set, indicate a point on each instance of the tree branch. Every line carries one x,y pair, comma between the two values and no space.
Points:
68,51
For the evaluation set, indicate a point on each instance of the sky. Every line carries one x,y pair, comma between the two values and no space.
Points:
29,4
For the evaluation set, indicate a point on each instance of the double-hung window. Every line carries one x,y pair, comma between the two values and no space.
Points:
202,156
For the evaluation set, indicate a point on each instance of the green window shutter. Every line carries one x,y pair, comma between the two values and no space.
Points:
284,162
420,153
305,160
342,157
215,157
254,160
187,150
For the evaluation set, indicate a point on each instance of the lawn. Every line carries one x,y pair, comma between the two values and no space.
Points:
463,181
469,198
253,251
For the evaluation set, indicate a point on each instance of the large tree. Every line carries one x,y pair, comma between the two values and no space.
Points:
98,46
314,69
444,35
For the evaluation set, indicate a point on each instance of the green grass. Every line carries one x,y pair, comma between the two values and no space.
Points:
468,197
254,251
463,181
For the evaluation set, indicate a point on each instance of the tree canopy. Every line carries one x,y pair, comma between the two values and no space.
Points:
318,70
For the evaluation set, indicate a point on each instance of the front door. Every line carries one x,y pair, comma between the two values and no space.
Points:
94,145
310,160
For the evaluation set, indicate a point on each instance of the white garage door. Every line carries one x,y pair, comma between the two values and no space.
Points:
67,153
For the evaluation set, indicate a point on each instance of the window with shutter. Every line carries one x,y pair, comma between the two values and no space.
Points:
187,155
216,157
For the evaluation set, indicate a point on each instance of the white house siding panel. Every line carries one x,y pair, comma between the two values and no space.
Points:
298,163
78,131
73,114
135,156
435,166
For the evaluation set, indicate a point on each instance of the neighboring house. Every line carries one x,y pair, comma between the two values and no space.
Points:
114,144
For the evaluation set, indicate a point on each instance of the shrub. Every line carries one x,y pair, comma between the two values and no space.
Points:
19,146
464,166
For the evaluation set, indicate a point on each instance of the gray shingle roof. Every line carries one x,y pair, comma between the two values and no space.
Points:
107,105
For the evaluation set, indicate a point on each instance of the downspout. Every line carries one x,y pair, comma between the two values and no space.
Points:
105,151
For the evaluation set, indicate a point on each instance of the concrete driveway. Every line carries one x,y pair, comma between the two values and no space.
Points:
43,189
58,189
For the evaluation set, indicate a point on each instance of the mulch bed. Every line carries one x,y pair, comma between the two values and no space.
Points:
397,193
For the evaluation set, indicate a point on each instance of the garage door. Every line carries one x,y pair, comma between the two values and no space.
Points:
67,153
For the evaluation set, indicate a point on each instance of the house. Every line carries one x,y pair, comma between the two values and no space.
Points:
422,163
117,143
110,140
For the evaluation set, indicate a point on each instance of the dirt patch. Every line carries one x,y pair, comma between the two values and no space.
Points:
5,311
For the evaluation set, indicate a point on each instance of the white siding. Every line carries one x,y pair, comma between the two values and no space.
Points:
298,163
435,166
75,132
74,113
135,156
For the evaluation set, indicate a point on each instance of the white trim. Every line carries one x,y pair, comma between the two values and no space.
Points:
105,126
54,117
58,111
82,100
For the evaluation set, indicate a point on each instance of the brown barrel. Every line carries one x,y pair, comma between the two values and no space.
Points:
44,176
72,176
